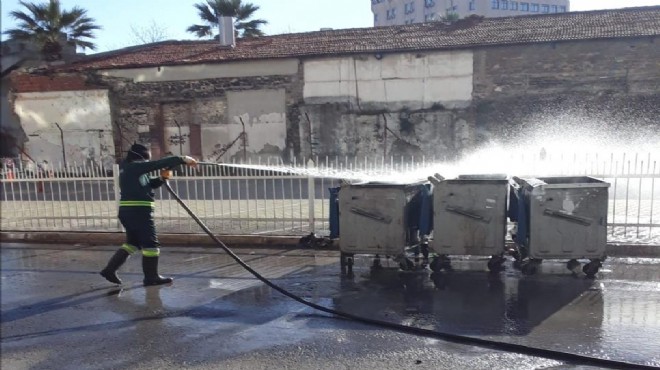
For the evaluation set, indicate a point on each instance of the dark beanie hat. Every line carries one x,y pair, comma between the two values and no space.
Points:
138,152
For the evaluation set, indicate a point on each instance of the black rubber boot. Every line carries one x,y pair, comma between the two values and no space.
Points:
115,262
150,268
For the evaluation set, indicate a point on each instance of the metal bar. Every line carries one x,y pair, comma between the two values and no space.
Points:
652,199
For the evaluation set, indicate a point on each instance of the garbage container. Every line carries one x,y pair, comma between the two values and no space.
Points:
469,218
559,218
380,219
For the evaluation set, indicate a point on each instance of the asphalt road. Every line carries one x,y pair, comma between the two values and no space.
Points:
57,312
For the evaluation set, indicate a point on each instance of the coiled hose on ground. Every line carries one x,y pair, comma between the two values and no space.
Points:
502,346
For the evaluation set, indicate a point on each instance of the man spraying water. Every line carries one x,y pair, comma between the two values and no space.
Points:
136,211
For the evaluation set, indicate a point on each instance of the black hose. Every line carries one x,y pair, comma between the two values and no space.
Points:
510,347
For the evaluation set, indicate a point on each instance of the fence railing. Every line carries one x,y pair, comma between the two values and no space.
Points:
273,198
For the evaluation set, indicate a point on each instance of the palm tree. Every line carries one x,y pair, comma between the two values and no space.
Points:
212,10
44,24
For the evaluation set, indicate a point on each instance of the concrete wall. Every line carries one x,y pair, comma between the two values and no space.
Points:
393,82
84,117
398,104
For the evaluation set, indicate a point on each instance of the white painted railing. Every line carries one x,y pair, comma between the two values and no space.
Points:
277,199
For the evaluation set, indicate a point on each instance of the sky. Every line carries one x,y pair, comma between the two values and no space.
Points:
118,17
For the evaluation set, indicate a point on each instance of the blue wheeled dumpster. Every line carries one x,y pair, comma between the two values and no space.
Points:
559,218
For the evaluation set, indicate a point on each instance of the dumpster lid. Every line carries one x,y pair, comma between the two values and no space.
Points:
386,184
492,176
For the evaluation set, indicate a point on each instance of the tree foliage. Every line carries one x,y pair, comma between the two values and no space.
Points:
211,11
43,24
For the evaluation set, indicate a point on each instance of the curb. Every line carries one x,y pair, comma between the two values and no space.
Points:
173,239
613,249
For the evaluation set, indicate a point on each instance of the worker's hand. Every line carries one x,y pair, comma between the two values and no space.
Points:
190,161
166,174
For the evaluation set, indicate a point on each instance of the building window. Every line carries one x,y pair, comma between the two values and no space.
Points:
535,8
524,7
429,17
374,2
562,9
391,13
504,5
553,9
375,18
545,8
410,7
429,3
410,21
494,4
514,5
472,5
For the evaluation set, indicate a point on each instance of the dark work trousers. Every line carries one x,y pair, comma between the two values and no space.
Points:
140,228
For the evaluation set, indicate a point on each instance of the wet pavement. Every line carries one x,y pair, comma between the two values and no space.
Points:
57,312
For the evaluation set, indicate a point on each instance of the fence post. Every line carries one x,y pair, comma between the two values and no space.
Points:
311,195
115,182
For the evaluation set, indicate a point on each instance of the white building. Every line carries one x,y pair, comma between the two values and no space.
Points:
396,12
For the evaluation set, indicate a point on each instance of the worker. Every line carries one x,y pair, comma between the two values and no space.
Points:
136,211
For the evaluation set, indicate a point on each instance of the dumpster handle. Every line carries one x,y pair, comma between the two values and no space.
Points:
576,219
371,215
467,214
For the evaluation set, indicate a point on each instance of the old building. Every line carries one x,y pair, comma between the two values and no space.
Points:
398,12
17,54
423,89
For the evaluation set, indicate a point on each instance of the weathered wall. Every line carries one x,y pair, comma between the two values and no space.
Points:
84,118
408,104
198,109
612,83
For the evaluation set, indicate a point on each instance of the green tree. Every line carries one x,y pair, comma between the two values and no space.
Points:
450,17
43,24
211,11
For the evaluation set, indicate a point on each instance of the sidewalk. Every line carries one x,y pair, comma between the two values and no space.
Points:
116,238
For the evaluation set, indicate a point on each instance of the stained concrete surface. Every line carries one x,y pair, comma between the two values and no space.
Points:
57,312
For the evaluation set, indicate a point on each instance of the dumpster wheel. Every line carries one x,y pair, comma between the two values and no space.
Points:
502,346
496,263
346,264
591,269
530,266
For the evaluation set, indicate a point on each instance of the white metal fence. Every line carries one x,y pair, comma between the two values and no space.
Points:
272,198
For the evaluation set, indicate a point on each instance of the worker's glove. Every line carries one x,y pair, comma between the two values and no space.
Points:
166,174
190,161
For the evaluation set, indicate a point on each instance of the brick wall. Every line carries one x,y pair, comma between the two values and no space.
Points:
613,81
23,82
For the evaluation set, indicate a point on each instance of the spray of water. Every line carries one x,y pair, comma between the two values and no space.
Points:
559,145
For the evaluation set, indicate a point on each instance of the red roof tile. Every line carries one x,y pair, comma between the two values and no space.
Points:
469,32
